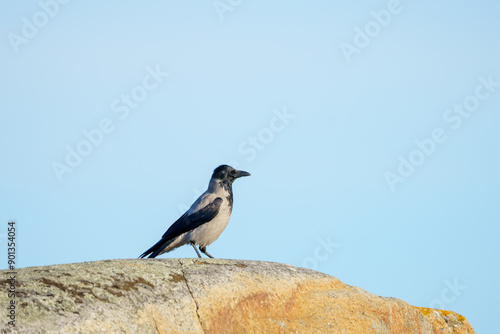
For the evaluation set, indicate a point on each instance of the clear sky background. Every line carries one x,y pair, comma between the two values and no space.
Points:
370,130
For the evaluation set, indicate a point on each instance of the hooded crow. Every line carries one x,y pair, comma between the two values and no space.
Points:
205,220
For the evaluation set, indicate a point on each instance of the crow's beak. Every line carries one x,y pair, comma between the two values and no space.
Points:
240,173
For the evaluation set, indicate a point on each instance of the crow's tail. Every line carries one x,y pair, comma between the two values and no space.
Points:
156,249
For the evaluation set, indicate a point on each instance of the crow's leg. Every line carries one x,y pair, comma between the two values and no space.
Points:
204,251
194,246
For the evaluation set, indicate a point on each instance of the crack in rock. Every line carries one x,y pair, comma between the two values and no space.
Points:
192,297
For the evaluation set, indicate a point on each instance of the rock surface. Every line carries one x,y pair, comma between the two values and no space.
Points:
206,296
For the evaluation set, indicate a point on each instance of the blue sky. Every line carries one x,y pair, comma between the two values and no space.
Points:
370,130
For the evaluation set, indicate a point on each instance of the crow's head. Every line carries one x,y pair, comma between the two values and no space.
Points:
228,173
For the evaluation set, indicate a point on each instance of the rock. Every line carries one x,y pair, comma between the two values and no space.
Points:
206,296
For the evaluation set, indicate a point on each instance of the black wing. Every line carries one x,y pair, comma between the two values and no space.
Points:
185,224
